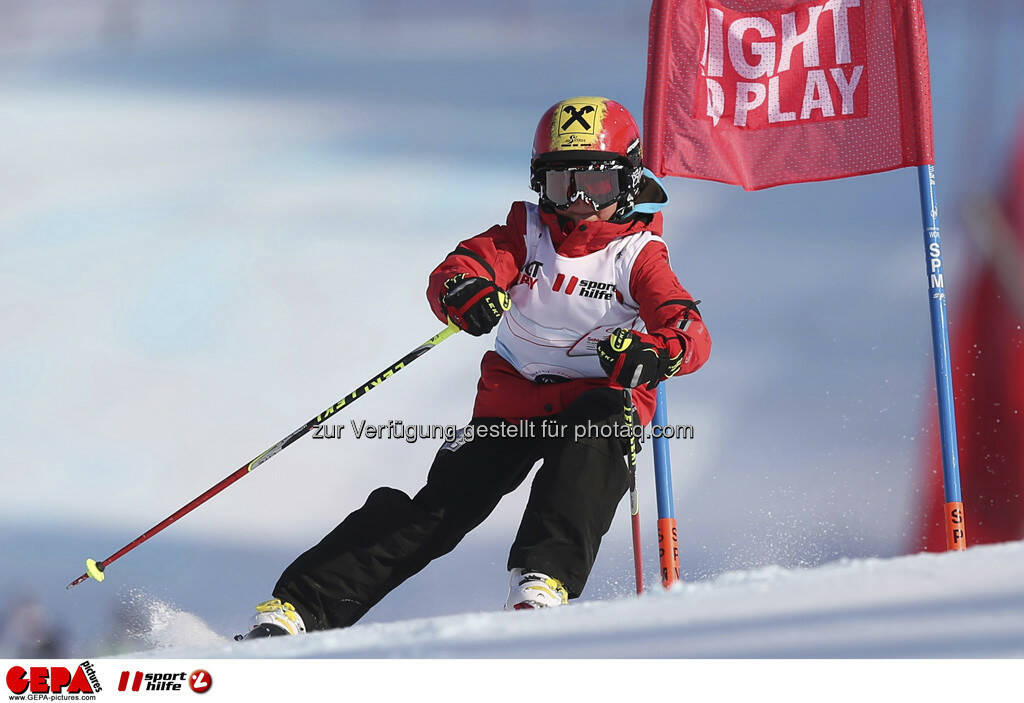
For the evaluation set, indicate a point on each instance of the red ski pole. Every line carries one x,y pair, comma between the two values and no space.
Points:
95,568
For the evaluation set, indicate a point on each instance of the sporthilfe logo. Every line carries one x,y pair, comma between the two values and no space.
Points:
198,681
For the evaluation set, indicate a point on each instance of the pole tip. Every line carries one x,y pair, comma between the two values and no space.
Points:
93,569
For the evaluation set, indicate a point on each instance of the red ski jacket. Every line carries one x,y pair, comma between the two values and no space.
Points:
499,254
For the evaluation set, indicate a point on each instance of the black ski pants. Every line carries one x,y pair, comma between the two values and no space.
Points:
391,537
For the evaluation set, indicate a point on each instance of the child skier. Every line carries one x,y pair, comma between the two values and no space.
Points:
571,283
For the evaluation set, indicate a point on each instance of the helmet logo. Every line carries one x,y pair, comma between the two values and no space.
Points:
577,124
577,116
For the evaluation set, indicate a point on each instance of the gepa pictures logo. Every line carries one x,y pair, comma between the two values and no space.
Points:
40,682
199,681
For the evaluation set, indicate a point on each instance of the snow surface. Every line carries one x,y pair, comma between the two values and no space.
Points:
968,604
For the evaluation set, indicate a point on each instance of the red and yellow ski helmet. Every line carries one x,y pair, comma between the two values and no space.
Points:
586,134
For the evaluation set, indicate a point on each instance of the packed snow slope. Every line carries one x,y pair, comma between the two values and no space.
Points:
968,604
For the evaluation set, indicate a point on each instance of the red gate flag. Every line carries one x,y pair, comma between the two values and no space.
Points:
761,93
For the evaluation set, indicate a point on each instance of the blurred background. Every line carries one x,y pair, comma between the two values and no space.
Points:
217,218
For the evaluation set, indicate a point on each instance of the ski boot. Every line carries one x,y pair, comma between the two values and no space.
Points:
274,618
531,589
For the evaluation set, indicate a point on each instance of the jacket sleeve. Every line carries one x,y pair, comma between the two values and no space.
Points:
669,312
497,255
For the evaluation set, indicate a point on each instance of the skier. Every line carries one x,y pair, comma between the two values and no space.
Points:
571,283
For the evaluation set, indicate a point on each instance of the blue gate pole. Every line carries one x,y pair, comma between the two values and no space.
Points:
956,537
668,538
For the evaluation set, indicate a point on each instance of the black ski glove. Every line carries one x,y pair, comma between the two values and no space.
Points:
474,304
630,360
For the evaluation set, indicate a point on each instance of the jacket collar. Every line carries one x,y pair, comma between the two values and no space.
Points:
579,238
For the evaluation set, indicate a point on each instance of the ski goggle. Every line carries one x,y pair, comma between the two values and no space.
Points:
600,188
